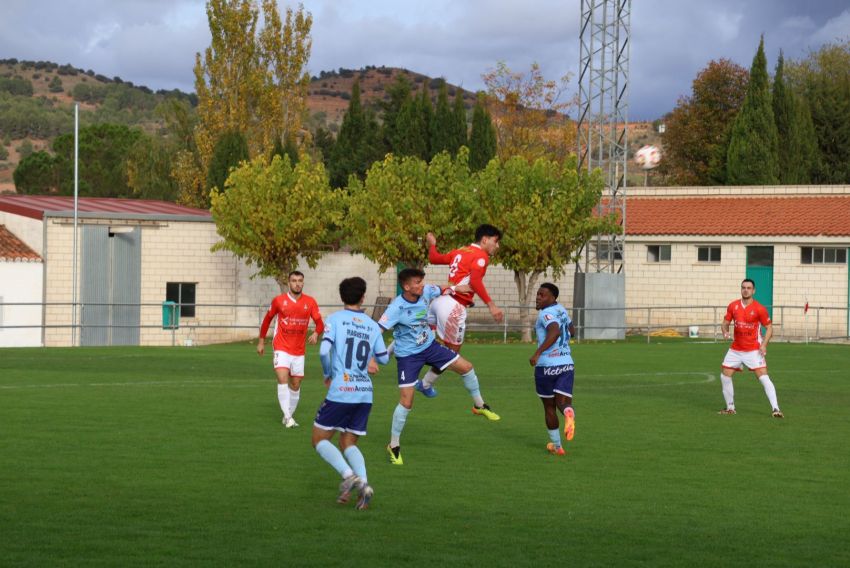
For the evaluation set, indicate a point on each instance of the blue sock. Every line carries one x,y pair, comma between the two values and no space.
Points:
333,456
399,418
358,463
555,436
470,381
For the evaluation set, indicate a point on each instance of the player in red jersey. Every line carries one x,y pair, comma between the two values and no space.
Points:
467,266
748,347
294,311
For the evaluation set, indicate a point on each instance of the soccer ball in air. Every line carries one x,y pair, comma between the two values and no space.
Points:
648,157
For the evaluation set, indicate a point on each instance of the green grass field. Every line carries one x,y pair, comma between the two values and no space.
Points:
176,456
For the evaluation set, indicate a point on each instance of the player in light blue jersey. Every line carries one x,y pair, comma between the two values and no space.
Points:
415,347
553,365
351,341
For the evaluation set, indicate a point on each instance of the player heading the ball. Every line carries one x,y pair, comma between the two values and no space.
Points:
467,266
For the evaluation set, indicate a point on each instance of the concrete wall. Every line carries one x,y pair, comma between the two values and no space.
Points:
20,282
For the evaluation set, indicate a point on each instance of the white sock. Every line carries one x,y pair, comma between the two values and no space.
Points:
294,395
429,379
770,391
283,399
728,391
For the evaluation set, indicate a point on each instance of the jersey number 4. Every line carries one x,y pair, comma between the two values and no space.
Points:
360,352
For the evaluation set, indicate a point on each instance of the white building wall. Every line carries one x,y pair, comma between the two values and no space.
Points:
20,282
30,231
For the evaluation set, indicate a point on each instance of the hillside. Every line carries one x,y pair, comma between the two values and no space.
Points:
37,98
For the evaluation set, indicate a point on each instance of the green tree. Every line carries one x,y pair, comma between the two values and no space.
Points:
273,213
230,150
426,116
482,138
149,165
402,199
410,136
36,174
798,147
55,85
103,154
550,207
459,127
4,153
398,96
442,128
358,144
696,137
823,81
753,155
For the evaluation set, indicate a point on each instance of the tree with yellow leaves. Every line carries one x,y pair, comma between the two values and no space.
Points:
248,81
528,113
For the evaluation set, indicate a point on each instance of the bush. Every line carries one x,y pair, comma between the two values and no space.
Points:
55,85
16,86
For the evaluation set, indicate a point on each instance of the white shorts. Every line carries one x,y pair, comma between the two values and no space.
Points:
752,360
449,316
295,363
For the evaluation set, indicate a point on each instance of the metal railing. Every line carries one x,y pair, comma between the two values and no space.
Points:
790,323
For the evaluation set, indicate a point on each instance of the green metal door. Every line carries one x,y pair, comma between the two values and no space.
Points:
760,271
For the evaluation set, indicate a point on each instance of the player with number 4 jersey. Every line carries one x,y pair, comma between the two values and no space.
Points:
415,347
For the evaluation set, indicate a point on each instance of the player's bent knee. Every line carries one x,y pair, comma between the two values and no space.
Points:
461,366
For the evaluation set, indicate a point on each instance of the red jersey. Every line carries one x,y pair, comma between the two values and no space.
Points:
467,265
748,322
292,319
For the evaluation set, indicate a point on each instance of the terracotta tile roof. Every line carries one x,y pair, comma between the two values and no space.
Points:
739,216
13,248
34,206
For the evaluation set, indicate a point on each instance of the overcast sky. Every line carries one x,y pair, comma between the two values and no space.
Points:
153,42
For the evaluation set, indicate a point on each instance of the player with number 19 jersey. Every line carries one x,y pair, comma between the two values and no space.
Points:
355,338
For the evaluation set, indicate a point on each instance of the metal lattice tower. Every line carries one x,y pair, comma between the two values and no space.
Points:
603,114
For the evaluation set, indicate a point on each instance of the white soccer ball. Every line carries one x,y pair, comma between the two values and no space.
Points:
648,157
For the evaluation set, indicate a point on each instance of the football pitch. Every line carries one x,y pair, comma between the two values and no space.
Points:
176,456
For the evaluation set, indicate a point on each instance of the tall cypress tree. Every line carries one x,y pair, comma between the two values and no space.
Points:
410,137
229,150
797,147
753,156
399,94
482,139
460,136
358,143
442,132
426,116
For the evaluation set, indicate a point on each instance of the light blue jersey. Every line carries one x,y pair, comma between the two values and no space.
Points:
351,339
559,352
409,322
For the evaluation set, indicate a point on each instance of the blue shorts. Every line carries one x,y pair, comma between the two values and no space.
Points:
551,380
343,416
435,355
